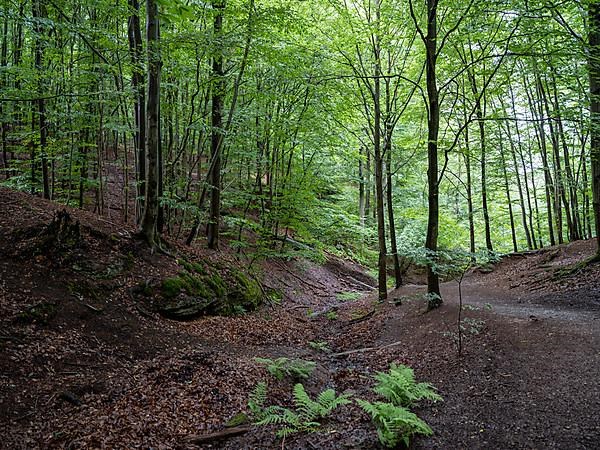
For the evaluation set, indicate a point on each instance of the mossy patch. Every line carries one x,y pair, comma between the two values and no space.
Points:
217,292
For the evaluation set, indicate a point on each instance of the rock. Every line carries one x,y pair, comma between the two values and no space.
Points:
184,307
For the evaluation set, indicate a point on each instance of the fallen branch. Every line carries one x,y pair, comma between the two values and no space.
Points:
366,349
361,318
218,435
360,283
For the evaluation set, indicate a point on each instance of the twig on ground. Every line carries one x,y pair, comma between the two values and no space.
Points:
367,349
217,435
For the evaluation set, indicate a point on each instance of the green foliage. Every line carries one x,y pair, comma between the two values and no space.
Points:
331,315
321,346
294,368
348,296
306,415
394,424
399,387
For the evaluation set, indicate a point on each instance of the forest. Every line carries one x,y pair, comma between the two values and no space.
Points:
328,191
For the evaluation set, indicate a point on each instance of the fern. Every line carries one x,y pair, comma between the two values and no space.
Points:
257,400
306,416
399,387
295,368
394,424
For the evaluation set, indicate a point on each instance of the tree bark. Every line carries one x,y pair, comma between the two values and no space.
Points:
379,197
39,14
594,79
390,206
137,80
218,93
150,218
433,126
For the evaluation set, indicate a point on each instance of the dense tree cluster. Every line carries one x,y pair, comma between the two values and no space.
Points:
372,126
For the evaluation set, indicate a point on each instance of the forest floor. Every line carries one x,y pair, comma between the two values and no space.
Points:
82,365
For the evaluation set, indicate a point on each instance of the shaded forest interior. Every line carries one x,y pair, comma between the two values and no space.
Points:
217,158
366,129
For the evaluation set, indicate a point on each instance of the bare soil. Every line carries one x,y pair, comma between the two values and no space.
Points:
83,365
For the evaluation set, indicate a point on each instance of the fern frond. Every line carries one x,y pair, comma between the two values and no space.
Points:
257,399
328,401
309,409
399,387
394,423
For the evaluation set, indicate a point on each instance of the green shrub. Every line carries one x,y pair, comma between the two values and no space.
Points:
295,368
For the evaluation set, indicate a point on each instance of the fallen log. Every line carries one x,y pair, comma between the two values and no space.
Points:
200,439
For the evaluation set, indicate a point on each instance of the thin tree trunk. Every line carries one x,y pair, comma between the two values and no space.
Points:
39,14
218,94
379,197
137,80
513,232
390,207
150,216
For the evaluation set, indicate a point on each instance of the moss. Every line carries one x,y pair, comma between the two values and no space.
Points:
171,287
192,267
236,294
197,286
239,419
217,285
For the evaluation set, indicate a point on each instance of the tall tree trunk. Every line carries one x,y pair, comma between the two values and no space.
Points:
137,80
558,176
367,185
511,215
218,93
150,218
484,197
574,234
538,114
594,76
39,14
379,196
433,126
361,186
3,124
390,206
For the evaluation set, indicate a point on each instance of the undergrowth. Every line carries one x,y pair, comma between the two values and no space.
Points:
297,369
306,415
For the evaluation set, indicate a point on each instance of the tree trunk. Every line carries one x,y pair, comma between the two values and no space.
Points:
484,196
137,80
390,206
538,114
218,93
513,232
433,126
39,14
379,197
150,218
594,75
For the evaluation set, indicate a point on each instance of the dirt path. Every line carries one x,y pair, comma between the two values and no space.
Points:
529,376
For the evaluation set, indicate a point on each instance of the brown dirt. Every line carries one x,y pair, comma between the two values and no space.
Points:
527,377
